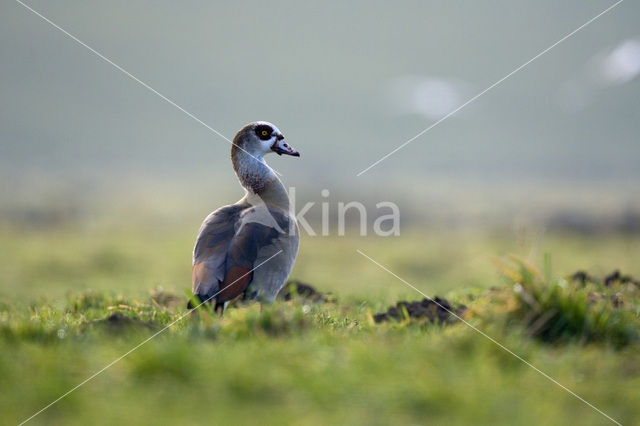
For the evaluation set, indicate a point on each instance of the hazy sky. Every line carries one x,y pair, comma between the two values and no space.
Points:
346,83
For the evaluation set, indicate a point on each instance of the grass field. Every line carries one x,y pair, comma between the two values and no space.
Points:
317,363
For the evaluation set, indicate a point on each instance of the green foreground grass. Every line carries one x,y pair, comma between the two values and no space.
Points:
309,363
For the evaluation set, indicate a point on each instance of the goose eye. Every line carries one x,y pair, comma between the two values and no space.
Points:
264,132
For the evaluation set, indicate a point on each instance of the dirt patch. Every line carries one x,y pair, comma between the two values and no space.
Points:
436,309
619,282
615,277
117,322
293,289
160,297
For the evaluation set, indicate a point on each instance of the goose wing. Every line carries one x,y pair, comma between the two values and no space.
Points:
210,252
228,244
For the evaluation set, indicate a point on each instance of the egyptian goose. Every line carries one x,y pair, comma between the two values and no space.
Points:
248,248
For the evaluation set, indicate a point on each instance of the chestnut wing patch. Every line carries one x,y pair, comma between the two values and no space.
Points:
227,249
242,257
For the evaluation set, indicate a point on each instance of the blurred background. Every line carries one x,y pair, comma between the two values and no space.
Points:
103,186
89,157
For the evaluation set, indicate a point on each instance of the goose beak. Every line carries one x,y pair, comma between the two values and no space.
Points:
281,147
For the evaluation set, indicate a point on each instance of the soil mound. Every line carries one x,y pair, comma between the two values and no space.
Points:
294,289
117,322
437,309
615,277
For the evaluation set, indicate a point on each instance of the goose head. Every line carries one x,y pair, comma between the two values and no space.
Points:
260,138
250,145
